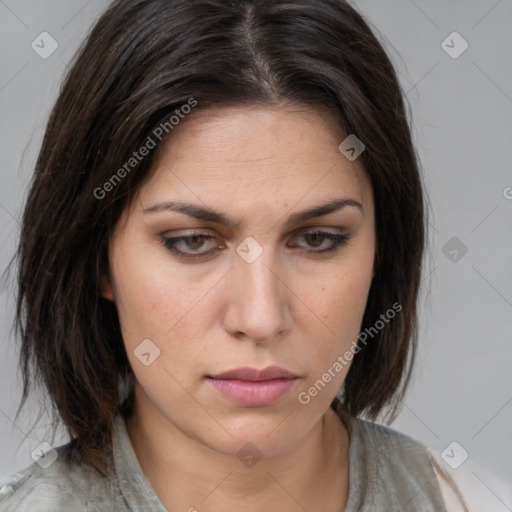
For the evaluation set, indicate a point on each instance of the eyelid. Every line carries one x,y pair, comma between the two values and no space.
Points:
338,240
170,241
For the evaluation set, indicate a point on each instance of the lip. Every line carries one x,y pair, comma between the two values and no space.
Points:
254,375
250,387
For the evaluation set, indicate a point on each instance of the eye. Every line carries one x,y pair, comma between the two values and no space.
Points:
194,245
319,242
201,245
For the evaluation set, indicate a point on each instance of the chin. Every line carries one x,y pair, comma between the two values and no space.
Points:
270,435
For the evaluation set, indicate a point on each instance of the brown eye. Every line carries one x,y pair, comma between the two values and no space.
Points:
191,246
325,240
194,242
314,239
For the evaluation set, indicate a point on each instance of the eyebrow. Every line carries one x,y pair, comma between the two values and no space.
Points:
210,215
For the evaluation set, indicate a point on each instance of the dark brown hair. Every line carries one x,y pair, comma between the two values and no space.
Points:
143,60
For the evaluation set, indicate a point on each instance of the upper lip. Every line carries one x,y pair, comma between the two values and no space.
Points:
252,374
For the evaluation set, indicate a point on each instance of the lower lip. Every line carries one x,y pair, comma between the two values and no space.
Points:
253,393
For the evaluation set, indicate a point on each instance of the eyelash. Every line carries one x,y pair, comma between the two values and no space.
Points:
338,241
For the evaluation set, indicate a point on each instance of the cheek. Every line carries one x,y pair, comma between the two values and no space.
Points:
338,302
339,297
341,301
154,301
142,303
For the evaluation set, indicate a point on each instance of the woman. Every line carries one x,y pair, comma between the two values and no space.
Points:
226,227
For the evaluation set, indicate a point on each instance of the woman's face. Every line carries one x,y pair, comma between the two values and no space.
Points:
255,282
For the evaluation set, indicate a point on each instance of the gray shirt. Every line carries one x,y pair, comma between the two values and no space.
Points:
388,472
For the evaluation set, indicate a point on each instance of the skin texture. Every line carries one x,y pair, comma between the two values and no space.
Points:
291,307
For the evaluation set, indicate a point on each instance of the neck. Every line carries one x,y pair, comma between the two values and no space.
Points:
186,474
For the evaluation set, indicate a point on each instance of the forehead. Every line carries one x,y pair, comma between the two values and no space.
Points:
251,134
254,151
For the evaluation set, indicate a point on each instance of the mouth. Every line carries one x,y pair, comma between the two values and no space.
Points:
250,387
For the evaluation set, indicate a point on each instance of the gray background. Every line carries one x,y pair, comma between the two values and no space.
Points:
462,114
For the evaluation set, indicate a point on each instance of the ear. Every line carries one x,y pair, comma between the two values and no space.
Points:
375,262
106,288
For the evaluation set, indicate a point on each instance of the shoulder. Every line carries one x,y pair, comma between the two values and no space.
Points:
408,458
391,445
397,469
63,485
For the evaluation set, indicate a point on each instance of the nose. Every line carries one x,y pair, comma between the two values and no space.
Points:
258,300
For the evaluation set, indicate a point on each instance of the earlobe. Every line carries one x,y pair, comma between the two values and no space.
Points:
375,263
106,290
